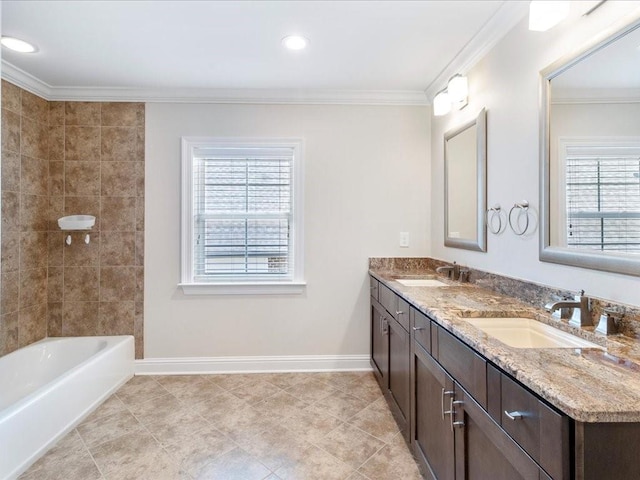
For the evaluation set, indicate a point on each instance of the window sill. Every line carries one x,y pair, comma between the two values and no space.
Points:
289,288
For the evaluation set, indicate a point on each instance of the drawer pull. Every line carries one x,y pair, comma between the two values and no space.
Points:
514,415
399,312
415,329
453,404
443,393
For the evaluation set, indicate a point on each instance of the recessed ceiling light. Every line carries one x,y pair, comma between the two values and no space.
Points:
295,42
17,45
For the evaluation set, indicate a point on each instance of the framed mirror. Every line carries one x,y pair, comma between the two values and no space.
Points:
465,192
590,156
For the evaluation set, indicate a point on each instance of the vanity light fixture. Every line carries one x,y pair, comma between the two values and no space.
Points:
544,14
455,95
18,45
295,42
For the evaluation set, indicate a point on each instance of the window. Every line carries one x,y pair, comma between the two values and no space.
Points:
602,195
242,216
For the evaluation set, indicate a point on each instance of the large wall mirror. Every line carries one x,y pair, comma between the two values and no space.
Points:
465,176
590,156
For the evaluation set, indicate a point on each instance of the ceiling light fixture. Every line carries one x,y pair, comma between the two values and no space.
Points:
455,95
441,104
544,14
295,42
17,45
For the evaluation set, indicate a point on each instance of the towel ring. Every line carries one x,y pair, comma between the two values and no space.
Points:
522,207
493,213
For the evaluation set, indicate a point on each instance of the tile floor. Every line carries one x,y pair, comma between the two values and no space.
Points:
284,426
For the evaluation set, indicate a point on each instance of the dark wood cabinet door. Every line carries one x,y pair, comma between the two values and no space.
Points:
432,435
380,345
483,450
399,368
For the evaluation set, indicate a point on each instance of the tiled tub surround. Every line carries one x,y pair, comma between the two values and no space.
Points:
63,158
588,385
49,386
309,426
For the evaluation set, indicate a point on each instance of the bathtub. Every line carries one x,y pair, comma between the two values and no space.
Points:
47,387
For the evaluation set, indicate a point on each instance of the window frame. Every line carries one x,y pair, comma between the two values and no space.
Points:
227,286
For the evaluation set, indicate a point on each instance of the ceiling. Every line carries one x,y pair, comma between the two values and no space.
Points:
195,46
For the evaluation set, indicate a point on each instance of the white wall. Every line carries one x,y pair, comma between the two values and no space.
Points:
367,178
506,82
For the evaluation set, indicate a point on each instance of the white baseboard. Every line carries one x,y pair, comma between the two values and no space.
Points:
272,364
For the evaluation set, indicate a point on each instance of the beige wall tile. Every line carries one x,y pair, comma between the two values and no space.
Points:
56,178
81,254
56,210
139,249
118,114
56,143
10,131
139,284
10,212
116,318
82,178
10,301
11,97
79,318
32,324
56,246
140,179
119,144
117,284
10,171
82,113
33,250
118,248
84,206
10,247
82,143
138,329
34,212
56,113
140,214
34,138
54,319
9,332
140,144
35,108
34,176
81,284
118,179
55,284
33,287
118,214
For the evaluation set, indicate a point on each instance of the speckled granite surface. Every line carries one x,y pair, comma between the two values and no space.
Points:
589,385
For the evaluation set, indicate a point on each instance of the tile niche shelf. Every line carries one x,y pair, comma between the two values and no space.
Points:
76,223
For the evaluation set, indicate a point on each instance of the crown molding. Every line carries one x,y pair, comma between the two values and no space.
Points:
507,16
211,95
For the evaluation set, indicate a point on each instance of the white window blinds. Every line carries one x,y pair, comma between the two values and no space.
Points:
603,198
243,214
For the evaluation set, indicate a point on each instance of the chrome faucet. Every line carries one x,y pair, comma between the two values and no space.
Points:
453,271
581,309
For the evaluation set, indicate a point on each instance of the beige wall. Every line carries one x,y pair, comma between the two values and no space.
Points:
63,158
366,180
506,83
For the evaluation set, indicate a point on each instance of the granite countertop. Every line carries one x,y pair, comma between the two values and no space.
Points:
589,385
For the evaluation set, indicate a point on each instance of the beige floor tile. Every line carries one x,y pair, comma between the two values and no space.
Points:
276,447
377,421
311,423
136,456
341,405
358,476
284,380
365,391
200,448
218,406
273,476
111,405
140,389
255,392
190,389
234,465
391,463
311,390
315,464
177,427
350,444
108,427
232,380
157,409
244,423
282,405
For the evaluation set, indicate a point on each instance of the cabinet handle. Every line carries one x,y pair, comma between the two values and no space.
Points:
415,329
455,424
385,326
399,312
443,393
515,415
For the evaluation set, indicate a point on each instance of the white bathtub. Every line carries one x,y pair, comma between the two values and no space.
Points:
46,389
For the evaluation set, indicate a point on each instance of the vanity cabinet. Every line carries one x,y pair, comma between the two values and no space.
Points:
380,344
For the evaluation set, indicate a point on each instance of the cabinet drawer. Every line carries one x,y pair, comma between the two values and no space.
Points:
396,306
466,366
421,329
373,287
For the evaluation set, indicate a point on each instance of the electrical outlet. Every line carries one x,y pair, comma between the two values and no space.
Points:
404,239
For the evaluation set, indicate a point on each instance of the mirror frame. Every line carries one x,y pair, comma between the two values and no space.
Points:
480,244
604,261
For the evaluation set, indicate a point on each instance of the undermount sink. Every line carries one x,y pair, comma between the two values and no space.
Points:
421,282
528,333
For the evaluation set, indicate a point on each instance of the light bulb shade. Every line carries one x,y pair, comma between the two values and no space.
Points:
18,45
544,14
295,42
441,104
458,89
